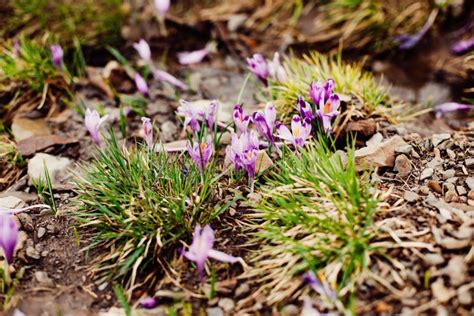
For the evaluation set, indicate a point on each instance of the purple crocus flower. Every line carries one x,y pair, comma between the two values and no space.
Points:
322,288
266,122
165,76
57,55
148,131
240,145
143,50
308,308
191,115
8,236
93,121
463,46
200,153
451,107
201,249
300,131
408,41
194,57
162,6
210,114
258,65
241,120
328,111
275,69
305,109
321,92
148,302
141,84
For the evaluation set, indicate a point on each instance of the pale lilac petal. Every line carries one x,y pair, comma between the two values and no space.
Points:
270,115
143,50
188,58
258,65
275,69
148,302
141,84
162,6
284,133
8,236
93,122
57,55
452,107
164,76
308,308
223,257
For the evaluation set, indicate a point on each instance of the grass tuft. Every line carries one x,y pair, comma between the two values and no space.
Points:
316,213
141,205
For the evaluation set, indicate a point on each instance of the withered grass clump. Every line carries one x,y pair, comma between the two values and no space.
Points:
141,205
316,213
11,161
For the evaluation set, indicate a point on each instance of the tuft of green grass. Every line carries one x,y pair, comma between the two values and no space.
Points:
141,205
316,213
92,22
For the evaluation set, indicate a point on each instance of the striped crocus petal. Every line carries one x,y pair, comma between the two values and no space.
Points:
258,65
241,120
148,131
304,108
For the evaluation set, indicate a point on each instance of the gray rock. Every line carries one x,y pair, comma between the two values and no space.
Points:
470,182
448,173
402,165
290,310
469,162
243,289
215,311
410,196
168,131
32,253
405,149
226,304
435,163
41,232
42,277
57,167
437,139
426,173
451,153
10,202
433,259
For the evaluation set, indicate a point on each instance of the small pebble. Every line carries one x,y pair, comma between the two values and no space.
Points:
434,185
470,182
437,139
448,173
461,190
32,253
469,162
426,173
41,232
433,259
226,304
410,196
451,153
215,311
289,310
243,289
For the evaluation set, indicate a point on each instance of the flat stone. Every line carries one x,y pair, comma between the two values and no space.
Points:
405,149
41,232
469,162
168,131
243,289
42,277
426,173
57,168
437,139
410,196
26,221
448,174
32,253
365,128
435,163
381,155
374,140
402,165
226,304
215,311
11,202
263,162
470,183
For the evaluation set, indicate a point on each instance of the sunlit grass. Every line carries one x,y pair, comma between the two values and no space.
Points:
141,205
316,213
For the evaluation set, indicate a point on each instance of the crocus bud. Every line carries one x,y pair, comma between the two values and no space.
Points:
148,131
143,50
258,65
57,55
93,122
141,84
452,107
194,57
241,120
275,69
148,302
8,236
165,76
463,46
162,6
201,153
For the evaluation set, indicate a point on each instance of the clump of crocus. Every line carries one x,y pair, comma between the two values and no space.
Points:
141,84
143,50
326,104
57,55
200,153
241,120
202,248
300,131
258,65
463,46
148,131
194,57
265,122
243,154
93,121
8,236
451,107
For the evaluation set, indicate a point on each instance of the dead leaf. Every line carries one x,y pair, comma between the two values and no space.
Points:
34,144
